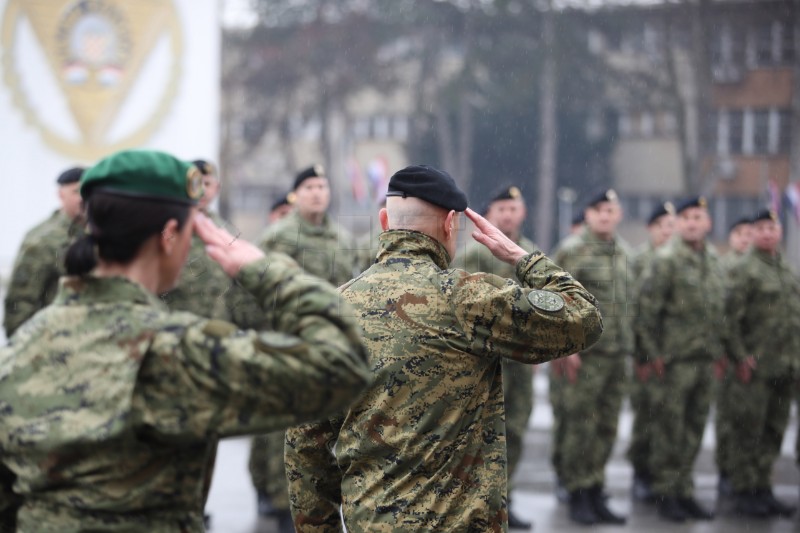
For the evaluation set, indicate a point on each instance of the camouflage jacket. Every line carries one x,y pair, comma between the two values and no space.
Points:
39,264
110,404
478,258
763,314
680,304
423,449
602,267
205,290
326,251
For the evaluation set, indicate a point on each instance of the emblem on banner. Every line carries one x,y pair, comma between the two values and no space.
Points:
92,54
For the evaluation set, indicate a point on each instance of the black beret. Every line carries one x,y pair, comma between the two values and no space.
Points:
578,218
205,168
695,201
430,184
316,171
662,209
606,195
506,193
741,222
765,214
72,175
286,199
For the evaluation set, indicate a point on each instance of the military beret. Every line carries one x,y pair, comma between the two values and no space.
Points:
765,214
662,209
741,222
430,184
579,218
71,175
145,174
695,201
286,199
606,195
316,171
205,168
505,193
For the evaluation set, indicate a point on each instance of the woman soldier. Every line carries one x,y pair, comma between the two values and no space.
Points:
109,404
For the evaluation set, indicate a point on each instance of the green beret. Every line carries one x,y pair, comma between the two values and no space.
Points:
695,201
145,174
430,184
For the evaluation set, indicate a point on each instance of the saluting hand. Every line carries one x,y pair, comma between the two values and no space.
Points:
495,240
232,253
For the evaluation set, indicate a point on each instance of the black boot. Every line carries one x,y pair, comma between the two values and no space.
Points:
724,488
264,505
515,522
207,521
694,510
285,524
604,514
562,494
774,505
749,503
581,508
671,509
641,489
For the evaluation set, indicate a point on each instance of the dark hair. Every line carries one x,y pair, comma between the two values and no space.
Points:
118,226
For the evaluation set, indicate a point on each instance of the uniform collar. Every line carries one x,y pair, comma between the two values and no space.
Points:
765,257
412,244
74,290
308,227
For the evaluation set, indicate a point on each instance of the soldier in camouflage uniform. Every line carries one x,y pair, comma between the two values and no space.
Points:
506,211
423,449
763,344
40,261
660,227
309,236
109,402
739,238
592,383
322,248
679,326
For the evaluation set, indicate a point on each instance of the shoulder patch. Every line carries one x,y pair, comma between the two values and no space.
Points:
219,328
546,300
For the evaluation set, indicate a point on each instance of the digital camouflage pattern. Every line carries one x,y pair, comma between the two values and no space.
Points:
205,290
517,377
326,251
423,449
585,442
680,303
39,264
110,404
763,320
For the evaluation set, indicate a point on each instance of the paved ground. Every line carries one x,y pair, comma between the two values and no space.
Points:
232,499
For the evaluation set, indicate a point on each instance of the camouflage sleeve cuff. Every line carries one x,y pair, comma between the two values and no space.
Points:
534,268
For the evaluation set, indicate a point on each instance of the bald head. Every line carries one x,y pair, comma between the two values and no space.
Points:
418,215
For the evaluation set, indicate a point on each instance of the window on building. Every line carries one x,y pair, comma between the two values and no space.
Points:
786,45
762,42
761,128
380,127
784,132
735,131
400,128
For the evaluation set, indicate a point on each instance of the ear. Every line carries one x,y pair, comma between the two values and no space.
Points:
449,224
168,236
383,217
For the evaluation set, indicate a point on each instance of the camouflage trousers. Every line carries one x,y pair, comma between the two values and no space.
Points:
681,401
724,425
518,397
760,410
641,433
556,397
587,418
268,468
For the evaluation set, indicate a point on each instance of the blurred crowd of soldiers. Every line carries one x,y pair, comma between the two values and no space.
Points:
683,327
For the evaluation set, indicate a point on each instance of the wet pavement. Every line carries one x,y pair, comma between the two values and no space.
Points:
233,506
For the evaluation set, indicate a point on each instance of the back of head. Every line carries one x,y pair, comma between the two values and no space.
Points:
129,197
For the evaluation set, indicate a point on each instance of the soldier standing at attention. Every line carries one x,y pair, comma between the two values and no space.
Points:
660,227
506,211
679,326
309,236
110,403
740,236
423,449
592,383
40,261
763,344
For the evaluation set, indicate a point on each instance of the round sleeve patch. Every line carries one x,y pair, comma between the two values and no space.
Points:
546,300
